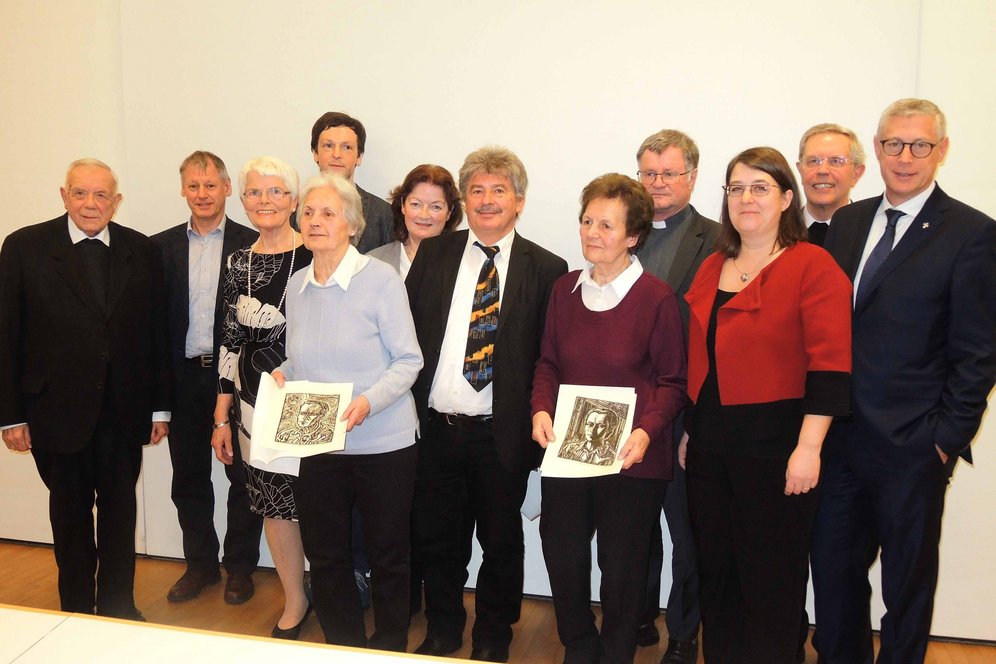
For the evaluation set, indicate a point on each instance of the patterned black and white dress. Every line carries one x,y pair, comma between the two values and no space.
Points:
253,341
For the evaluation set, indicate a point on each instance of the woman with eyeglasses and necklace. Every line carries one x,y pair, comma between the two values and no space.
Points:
769,363
253,342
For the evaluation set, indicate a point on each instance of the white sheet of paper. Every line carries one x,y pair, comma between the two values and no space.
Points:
591,425
300,419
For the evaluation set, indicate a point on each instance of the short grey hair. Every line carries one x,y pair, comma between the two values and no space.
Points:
495,160
905,108
666,138
200,159
856,153
352,204
92,163
269,166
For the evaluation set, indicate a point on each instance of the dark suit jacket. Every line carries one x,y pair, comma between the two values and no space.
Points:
531,273
924,340
695,246
380,222
174,247
59,350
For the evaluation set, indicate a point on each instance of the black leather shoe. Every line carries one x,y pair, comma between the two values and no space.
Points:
489,653
647,635
239,588
191,584
438,647
291,633
681,652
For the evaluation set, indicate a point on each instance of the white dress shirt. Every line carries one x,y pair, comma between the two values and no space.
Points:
603,298
450,392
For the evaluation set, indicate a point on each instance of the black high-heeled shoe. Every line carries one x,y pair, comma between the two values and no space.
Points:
291,633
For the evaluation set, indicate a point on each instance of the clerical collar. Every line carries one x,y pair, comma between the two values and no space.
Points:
675,219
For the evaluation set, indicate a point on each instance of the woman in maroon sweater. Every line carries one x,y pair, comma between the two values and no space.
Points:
769,361
609,325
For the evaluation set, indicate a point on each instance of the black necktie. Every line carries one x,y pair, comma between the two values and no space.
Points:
818,232
96,260
477,367
879,254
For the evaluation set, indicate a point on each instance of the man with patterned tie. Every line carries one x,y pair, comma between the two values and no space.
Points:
831,161
479,301
924,269
84,379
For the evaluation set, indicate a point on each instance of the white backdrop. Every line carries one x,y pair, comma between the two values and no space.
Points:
572,86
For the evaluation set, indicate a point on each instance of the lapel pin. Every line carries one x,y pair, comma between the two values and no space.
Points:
926,225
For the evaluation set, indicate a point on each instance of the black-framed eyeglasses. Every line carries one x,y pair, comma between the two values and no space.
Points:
667,177
274,193
838,161
894,147
757,189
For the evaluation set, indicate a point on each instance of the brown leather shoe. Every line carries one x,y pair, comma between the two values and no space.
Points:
191,584
239,588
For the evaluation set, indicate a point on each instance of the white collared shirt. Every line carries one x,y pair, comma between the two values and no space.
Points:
450,392
603,298
910,210
810,219
352,262
76,235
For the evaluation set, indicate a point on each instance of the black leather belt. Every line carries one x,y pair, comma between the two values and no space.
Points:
204,361
460,420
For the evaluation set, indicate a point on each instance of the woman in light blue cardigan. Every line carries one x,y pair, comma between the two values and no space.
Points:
348,321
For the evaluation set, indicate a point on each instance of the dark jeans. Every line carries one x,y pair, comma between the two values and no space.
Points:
380,486
94,573
621,510
459,475
192,491
753,556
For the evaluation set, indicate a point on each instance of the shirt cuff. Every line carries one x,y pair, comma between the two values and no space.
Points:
161,416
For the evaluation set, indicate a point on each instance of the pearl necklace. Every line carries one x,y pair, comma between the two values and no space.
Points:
290,273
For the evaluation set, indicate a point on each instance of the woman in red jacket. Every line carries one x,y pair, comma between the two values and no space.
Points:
769,363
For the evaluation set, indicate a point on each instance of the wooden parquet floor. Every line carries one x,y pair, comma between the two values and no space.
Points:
28,578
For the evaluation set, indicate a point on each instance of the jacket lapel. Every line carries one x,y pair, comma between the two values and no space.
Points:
514,277
452,255
687,251
68,265
120,268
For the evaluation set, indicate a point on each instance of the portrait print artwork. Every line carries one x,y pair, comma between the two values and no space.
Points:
298,420
590,427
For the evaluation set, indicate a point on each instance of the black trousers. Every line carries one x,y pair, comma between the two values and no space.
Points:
94,573
683,615
380,486
459,477
752,543
192,491
891,499
622,511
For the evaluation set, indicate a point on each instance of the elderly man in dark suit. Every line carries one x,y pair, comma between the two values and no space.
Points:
193,254
479,300
680,240
84,381
924,273
831,161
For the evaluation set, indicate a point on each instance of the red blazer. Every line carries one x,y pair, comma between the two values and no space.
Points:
787,335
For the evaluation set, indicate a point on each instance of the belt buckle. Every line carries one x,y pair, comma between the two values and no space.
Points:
205,361
451,419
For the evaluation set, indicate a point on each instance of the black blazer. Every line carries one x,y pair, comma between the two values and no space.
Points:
924,340
379,222
696,245
174,247
59,350
531,273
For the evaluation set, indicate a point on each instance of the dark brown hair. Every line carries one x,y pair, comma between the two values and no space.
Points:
791,227
336,119
428,174
632,194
